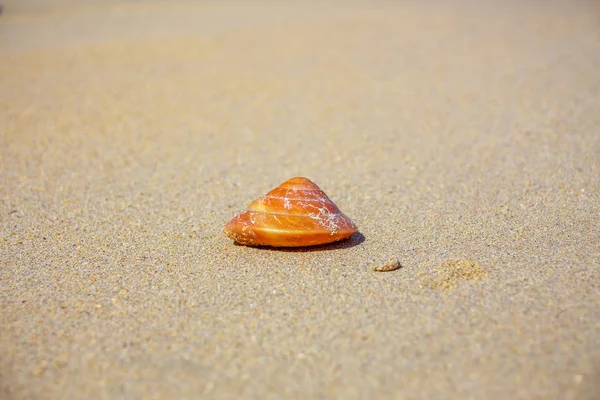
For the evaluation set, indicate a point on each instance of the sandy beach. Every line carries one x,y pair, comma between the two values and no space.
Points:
462,138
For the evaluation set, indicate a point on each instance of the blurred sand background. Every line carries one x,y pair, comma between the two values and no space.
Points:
461,137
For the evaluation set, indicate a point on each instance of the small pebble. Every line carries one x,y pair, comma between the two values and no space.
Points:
391,265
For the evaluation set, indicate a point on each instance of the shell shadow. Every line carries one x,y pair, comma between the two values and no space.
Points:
352,241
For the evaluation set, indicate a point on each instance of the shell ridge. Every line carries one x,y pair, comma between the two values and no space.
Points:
294,198
309,215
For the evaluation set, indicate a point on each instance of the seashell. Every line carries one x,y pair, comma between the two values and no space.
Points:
296,213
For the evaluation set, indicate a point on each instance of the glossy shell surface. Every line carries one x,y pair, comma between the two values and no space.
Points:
296,213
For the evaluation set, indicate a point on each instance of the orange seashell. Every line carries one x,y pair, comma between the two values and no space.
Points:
296,213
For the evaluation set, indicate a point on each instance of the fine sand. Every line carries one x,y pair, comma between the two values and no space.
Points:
463,138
